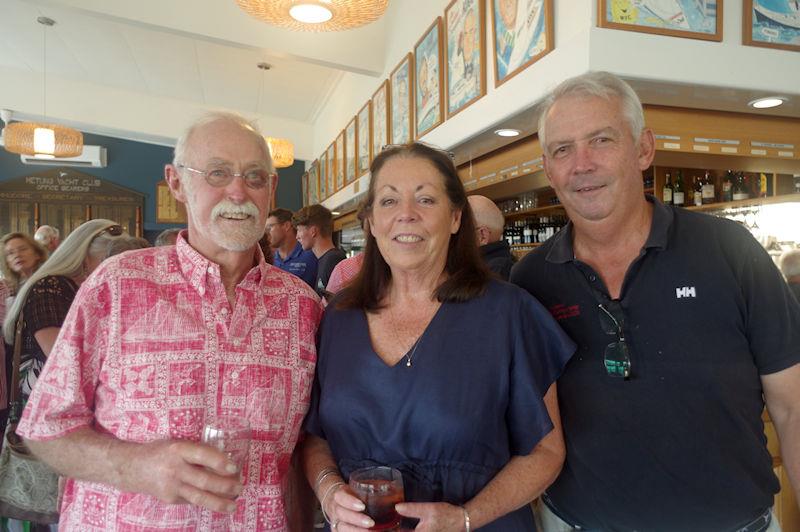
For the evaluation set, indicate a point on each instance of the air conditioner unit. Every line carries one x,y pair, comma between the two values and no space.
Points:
91,157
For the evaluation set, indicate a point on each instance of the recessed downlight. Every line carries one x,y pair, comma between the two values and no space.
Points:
335,213
506,132
766,103
310,13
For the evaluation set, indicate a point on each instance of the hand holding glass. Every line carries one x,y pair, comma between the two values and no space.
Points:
230,435
380,488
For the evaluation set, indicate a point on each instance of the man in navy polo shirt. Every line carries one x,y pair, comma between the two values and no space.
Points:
289,254
684,326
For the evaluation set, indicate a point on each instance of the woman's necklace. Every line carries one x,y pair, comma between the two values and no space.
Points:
409,356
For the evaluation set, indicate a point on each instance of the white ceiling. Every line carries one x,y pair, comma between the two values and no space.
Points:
171,53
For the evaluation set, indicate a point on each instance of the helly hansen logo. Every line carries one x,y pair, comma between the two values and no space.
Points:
685,291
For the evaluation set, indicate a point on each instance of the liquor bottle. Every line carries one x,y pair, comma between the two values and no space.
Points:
697,191
709,191
740,188
527,232
677,190
727,186
762,185
666,194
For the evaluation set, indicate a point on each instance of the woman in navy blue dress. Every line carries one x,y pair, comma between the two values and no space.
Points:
428,365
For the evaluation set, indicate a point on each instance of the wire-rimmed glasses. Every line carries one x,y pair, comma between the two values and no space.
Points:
221,176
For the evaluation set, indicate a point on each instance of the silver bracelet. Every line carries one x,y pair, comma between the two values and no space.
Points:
322,500
466,519
322,476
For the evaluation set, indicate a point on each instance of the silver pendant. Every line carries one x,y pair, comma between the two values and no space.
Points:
408,363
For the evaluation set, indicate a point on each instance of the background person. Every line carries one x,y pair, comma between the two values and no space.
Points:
430,366
48,236
192,332
684,326
790,267
22,255
489,224
314,226
167,237
289,254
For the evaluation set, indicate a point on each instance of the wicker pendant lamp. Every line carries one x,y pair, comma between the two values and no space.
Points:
282,151
315,15
43,140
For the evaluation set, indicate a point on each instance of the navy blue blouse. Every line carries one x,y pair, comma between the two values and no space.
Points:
471,400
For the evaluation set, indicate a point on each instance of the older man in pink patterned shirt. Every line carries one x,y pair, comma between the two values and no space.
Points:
158,341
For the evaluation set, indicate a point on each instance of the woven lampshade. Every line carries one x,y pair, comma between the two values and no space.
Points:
346,14
19,138
282,151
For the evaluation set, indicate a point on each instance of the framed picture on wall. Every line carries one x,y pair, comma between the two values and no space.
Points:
380,118
350,152
323,177
304,188
696,20
313,183
364,139
772,24
428,80
522,31
402,96
332,169
466,45
340,161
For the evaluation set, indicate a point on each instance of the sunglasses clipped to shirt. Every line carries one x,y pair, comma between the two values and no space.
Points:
616,357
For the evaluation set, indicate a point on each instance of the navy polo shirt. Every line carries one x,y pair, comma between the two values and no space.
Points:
301,263
680,445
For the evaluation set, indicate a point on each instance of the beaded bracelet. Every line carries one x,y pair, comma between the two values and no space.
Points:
466,519
322,500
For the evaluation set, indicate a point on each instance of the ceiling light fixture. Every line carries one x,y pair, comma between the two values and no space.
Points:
506,132
43,140
768,102
315,15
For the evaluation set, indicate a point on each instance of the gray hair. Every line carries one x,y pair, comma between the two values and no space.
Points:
47,232
89,239
599,85
215,116
790,263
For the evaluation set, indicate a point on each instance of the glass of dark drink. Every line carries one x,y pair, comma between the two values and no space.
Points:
380,488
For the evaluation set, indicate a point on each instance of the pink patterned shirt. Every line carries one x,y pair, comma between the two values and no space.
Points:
149,349
344,272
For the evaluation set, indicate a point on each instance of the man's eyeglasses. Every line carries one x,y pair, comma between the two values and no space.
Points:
616,358
255,178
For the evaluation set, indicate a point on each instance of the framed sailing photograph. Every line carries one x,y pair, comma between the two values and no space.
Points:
428,80
350,152
772,24
380,118
522,31
401,98
339,162
694,19
363,139
466,44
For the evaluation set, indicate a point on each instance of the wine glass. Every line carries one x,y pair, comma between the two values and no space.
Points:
230,435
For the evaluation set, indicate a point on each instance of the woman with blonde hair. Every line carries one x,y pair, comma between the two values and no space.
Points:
21,256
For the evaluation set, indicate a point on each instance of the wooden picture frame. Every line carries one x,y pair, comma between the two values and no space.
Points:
323,177
703,23
168,209
350,152
381,116
332,163
313,183
340,155
304,188
465,35
521,34
428,80
762,26
364,139
401,84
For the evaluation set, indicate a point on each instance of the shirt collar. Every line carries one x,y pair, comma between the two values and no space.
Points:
562,251
296,252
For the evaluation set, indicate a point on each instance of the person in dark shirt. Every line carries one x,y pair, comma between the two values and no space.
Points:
314,226
685,329
489,223
289,253
790,266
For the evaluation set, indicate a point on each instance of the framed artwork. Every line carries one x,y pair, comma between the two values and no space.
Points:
323,177
364,139
168,209
522,31
350,152
401,99
340,161
466,45
698,19
304,188
380,118
313,183
332,168
772,24
428,76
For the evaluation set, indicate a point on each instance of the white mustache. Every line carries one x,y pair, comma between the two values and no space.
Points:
228,207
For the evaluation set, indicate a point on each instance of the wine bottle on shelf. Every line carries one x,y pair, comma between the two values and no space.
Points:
727,186
666,193
677,190
709,190
740,188
697,190
762,185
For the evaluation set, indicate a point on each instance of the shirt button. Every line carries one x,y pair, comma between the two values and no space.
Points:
236,343
224,311
592,278
210,269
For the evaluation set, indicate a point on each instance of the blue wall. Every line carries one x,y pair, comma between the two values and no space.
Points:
140,166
